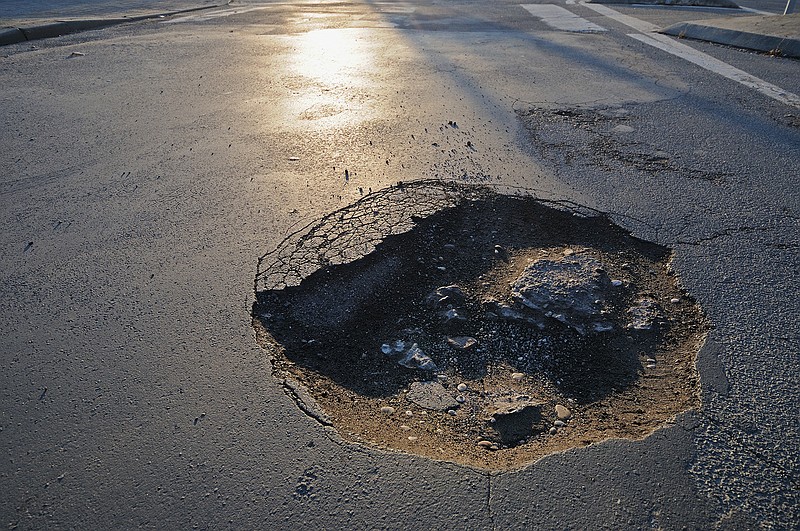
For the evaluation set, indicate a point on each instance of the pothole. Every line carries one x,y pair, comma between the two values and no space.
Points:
461,324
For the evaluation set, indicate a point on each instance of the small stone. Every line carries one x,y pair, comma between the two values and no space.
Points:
485,444
462,342
399,346
387,410
643,315
553,431
453,316
415,358
412,438
601,328
386,348
616,283
409,413
562,412
674,301
404,427
462,387
460,399
517,376
559,424
650,360
431,395
446,297
451,412
651,366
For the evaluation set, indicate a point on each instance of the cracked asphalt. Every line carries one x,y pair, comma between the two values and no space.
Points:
146,167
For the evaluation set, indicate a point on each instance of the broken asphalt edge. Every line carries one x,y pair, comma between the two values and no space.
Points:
784,46
66,27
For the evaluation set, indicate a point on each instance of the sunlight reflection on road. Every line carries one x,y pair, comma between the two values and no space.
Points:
331,75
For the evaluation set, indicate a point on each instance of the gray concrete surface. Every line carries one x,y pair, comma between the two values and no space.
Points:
142,179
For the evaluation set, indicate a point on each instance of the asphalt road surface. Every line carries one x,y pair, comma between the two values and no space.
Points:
145,168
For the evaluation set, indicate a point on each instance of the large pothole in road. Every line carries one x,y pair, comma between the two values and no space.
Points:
465,325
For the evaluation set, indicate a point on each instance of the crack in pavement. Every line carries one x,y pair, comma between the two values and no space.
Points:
732,232
294,392
489,500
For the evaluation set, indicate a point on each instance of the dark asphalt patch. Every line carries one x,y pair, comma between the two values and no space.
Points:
607,139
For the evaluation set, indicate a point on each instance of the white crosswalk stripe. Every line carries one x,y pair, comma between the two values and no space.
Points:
649,36
562,19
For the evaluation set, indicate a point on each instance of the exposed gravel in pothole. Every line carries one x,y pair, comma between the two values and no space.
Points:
460,324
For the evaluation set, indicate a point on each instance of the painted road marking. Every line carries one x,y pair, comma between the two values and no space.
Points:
627,20
562,19
662,42
703,60
215,14
757,11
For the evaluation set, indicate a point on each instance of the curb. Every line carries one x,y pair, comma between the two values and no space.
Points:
691,3
57,29
741,39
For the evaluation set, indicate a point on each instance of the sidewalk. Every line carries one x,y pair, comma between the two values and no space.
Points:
766,33
14,13
25,20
